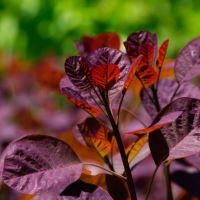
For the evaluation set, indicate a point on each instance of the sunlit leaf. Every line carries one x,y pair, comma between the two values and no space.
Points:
104,76
37,163
105,56
147,75
83,151
96,135
131,74
26,197
187,64
162,53
111,40
89,44
134,149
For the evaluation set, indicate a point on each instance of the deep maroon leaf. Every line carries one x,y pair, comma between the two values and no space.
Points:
85,45
187,180
158,146
38,163
182,136
78,71
187,64
166,89
116,187
77,187
142,43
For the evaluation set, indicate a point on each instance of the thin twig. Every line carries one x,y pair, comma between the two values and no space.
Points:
168,181
176,90
117,135
107,170
151,183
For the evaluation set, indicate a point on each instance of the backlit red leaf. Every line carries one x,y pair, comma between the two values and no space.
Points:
112,56
104,76
88,44
96,135
111,40
162,53
131,74
49,77
147,75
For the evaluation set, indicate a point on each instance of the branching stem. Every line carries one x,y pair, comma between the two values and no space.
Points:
116,132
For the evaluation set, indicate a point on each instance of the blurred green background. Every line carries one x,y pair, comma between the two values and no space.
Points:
33,28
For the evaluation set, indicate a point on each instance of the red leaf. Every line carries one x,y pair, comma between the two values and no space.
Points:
89,44
111,40
104,76
49,77
162,53
147,75
134,68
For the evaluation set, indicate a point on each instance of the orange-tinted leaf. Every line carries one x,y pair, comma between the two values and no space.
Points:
149,129
103,147
162,53
111,40
84,152
96,135
133,149
104,76
49,77
26,197
134,68
147,75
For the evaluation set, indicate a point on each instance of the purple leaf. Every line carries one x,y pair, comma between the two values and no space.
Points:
142,43
166,89
181,136
98,194
78,71
187,64
75,96
38,163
